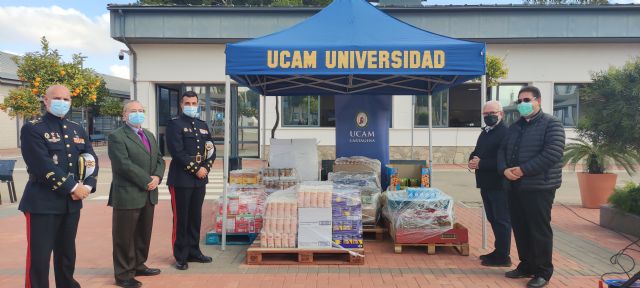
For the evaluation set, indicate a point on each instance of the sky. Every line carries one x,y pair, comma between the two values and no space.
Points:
82,26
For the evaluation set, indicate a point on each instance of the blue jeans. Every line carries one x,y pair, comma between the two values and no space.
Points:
496,205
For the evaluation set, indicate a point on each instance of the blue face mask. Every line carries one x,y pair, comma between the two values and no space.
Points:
60,108
191,111
525,109
136,118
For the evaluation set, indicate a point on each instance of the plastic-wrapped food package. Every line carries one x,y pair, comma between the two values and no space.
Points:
315,194
418,214
357,164
245,176
275,179
280,220
346,217
314,214
369,187
373,165
245,207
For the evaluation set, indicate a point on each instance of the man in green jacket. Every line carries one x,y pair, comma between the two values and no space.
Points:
137,168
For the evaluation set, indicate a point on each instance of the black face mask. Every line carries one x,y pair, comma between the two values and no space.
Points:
491,120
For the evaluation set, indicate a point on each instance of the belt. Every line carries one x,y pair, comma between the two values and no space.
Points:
198,158
33,178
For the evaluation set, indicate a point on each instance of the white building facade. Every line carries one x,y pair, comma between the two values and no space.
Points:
179,54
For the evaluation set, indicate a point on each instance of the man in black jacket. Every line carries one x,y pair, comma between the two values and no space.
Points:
530,158
191,146
484,159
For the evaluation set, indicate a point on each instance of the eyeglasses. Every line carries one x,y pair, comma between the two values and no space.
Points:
490,113
525,100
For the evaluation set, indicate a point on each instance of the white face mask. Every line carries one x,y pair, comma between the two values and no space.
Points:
191,111
136,118
60,108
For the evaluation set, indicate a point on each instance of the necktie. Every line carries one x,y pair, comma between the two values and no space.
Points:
144,139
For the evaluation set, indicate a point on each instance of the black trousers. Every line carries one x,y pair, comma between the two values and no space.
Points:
47,233
496,206
531,220
187,217
131,236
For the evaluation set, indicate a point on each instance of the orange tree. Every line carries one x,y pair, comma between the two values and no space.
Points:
38,70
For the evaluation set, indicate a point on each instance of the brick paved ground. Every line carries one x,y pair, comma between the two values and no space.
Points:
582,251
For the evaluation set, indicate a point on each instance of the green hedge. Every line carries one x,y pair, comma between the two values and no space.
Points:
627,198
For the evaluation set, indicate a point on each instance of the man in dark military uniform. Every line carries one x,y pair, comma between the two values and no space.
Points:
52,148
192,151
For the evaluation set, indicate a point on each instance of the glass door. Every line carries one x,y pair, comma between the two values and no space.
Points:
168,103
248,123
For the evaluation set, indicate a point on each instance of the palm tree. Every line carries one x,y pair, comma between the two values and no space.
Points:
599,156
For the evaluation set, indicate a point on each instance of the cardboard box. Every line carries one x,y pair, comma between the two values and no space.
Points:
246,223
314,227
397,172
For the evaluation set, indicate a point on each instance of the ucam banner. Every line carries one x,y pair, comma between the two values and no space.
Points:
362,127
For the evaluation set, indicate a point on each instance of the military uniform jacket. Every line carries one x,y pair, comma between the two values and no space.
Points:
186,138
51,147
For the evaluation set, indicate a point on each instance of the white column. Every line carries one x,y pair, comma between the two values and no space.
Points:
227,146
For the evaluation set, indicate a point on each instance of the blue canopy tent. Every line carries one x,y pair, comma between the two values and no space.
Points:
351,47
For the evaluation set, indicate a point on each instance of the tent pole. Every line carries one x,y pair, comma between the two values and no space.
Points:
413,117
430,137
227,146
483,93
263,125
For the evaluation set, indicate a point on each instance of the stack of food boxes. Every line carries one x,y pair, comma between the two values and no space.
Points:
369,186
242,177
275,179
314,214
245,204
346,217
280,220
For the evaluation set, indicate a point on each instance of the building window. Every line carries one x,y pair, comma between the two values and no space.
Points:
507,95
566,103
440,101
301,111
464,108
311,111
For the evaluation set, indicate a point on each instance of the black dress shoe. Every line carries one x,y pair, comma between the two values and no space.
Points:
515,274
487,256
148,272
129,283
182,265
200,258
537,282
495,262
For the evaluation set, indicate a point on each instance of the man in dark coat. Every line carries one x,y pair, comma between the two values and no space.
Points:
62,171
530,158
484,159
137,167
191,146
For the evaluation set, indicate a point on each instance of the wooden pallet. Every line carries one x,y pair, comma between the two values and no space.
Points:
463,249
457,237
377,232
257,255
